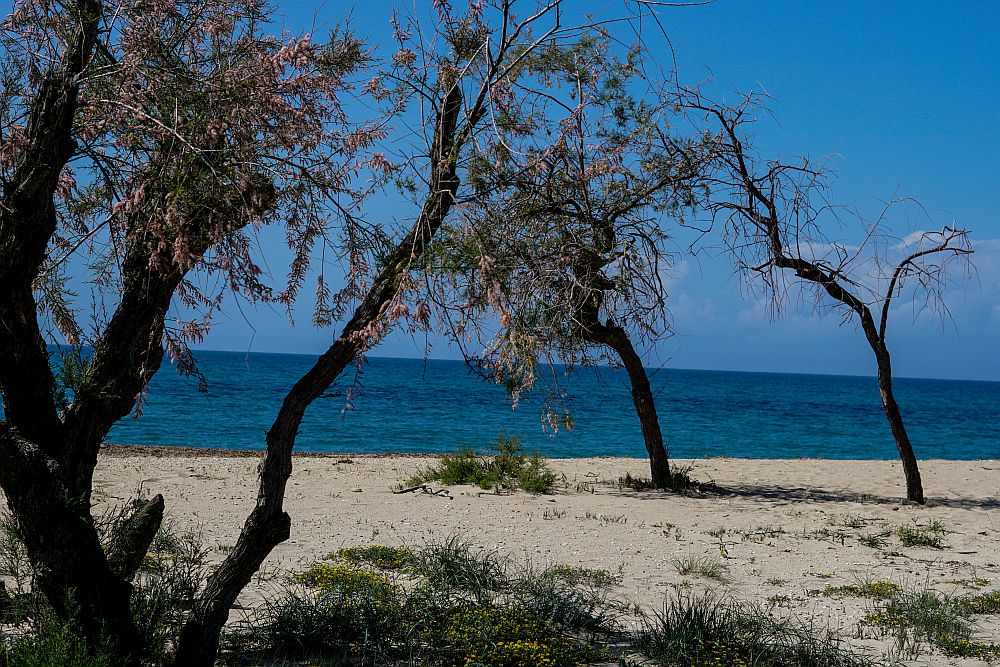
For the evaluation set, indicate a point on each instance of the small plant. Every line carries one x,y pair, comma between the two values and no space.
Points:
395,559
878,590
776,582
594,577
918,617
548,515
680,482
874,540
922,536
509,469
984,603
702,567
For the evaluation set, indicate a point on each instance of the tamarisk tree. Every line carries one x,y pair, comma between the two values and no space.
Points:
471,71
569,250
141,145
773,217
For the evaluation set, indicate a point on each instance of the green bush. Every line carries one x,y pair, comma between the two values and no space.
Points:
914,618
706,631
54,645
507,470
453,605
395,559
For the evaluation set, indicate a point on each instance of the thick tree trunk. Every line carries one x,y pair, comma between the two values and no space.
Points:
914,486
69,563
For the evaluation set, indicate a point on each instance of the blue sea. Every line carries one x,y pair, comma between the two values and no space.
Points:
434,406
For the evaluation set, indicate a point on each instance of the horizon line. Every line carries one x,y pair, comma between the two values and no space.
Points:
652,368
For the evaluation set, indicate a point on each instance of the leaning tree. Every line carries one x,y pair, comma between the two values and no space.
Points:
777,219
143,145
454,79
568,247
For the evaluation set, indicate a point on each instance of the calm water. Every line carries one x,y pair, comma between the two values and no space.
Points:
405,405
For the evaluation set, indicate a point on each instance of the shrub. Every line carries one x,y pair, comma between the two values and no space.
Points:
702,567
454,566
916,617
930,535
706,630
395,559
459,606
680,482
509,469
54,645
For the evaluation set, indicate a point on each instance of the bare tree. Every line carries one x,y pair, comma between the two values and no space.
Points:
773,214
568,249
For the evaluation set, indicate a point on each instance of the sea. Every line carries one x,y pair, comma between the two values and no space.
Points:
431,406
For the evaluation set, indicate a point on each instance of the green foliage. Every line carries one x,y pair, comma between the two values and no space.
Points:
54,645
342,579
984,603
914,618
396,559
706,631
457,606
584,576
165,588
878,590
680,482
701,566
923,536
509,469
455,567
505,637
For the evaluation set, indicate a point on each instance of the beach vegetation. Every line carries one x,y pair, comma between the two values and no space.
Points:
396,559
930,535
678,481
459,606
701,566
919,618
875,540
707,630
876,589
504,470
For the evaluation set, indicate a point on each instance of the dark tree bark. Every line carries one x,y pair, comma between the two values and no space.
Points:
759,208
70,565
618,340
268,524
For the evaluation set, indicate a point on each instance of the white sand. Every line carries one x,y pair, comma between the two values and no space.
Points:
336,502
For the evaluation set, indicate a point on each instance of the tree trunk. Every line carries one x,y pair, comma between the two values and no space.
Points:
914,487
269,525
642,397
69,563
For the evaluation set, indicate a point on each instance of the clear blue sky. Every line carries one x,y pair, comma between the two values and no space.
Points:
905,94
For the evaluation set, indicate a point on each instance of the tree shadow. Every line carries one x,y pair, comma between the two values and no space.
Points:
778,493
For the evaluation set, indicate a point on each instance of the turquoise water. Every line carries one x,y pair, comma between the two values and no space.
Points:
412,405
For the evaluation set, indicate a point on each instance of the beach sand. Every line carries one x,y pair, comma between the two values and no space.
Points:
820,507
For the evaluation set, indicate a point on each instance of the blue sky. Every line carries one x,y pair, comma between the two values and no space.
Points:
903,96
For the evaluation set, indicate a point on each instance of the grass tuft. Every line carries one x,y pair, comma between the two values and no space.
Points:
706,630
701,566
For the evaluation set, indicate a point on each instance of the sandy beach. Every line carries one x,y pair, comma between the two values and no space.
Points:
783,530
